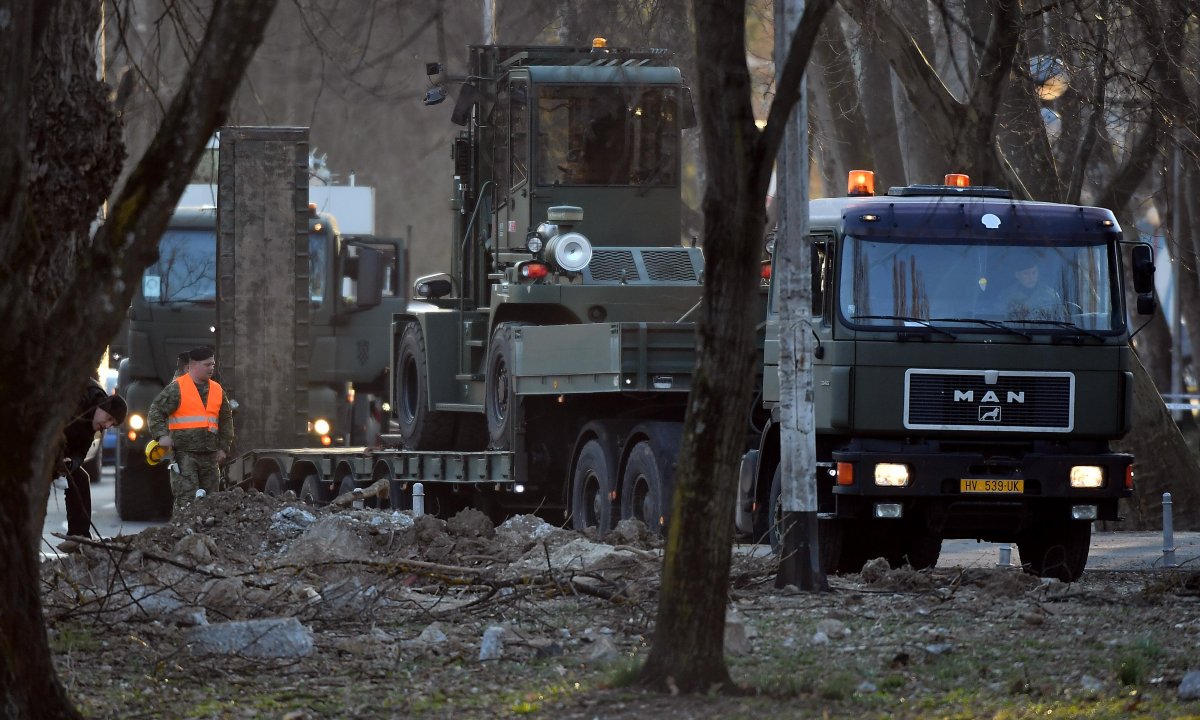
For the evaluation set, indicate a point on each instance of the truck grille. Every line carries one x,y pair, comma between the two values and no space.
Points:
643,265
989,400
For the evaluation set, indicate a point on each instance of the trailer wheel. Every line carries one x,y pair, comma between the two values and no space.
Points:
421,427
592,489
1057,551
273,485
500,400
642,489
310,491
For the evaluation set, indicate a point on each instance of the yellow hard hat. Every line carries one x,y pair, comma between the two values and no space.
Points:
155,453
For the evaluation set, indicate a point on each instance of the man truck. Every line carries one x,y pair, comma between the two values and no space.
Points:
953,397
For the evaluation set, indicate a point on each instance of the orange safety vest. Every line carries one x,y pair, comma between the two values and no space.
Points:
192,413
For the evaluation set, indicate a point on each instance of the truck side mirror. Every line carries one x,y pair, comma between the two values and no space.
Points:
1146,304
369,277
362,276
1143,271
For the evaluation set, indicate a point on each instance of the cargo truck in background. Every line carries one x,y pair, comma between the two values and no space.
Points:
548,368
174,309
972,366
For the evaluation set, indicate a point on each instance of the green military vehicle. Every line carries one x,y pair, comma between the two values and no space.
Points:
972,365
549,367
174,309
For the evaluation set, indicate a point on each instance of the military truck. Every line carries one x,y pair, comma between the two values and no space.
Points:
174,309
549,367
972,365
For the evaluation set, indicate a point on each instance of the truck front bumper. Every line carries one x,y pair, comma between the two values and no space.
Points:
973,495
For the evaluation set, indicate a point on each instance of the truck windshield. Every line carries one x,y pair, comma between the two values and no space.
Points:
185,271
965,285
607,135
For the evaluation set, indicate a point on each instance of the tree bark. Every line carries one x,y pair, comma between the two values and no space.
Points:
62,291
687,654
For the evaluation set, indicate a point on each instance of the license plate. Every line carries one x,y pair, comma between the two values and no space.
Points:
991,486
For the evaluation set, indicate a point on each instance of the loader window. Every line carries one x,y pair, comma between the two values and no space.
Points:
607,135
186,268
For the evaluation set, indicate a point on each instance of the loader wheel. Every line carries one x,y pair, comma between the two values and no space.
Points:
642,491
500,400
1057,551
421,427
592,489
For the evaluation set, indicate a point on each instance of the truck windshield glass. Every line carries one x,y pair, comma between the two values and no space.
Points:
607,135
185,271
1034,287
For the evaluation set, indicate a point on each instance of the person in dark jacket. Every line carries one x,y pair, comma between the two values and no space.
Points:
95,412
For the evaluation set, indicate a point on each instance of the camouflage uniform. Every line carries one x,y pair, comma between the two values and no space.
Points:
195,448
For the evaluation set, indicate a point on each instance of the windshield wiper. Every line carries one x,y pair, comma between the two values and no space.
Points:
989,323
903,318
1062,324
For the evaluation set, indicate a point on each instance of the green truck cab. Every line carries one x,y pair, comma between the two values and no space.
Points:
175,309
971,369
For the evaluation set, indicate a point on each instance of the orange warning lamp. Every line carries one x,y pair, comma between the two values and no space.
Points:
958,180
861,182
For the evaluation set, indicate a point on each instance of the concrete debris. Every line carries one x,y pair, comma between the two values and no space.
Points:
1189,687
492,645
737,640
602,651
329,539
269,638
198,549
292,520
432,635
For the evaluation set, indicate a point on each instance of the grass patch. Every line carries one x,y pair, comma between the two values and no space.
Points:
1133,661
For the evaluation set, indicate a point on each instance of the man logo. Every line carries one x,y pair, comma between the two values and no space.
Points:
989,413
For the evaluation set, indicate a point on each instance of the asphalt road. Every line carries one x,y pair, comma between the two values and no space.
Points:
1111,551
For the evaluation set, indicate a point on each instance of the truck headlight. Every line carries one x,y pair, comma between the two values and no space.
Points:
136,422
1087,476
571,251
321,426
891,475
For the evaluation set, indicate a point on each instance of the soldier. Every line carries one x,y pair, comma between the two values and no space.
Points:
96,412
193,418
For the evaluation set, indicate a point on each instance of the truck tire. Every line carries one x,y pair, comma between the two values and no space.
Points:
643,496
421,427
1056,551
142,493
500,400
831,532
274,485
918,549
592,489
310,491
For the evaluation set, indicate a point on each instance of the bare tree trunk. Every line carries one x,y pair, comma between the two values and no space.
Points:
689,632
63,292
687,654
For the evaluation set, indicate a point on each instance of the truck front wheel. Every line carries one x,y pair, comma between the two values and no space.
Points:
421,427
592,489
1058,551
833,541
